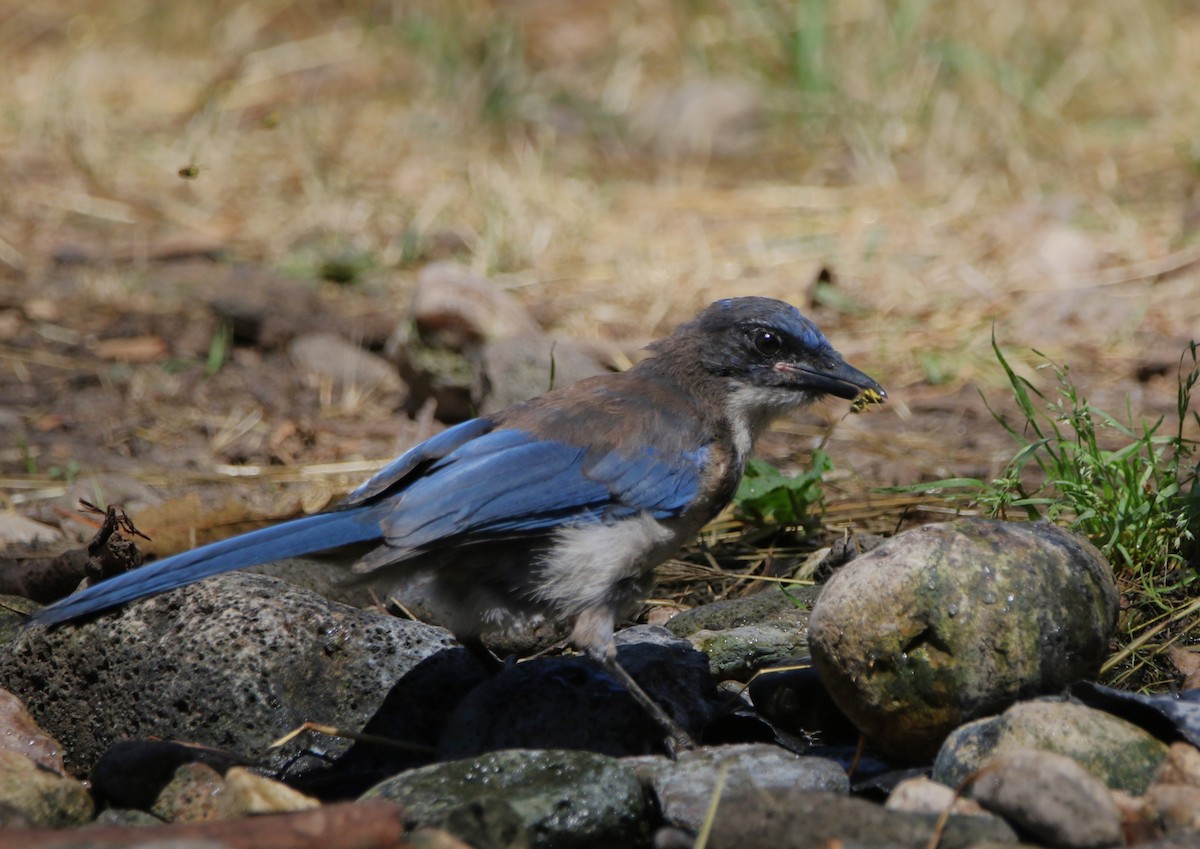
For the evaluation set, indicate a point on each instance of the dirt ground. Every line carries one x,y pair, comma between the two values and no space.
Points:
279,168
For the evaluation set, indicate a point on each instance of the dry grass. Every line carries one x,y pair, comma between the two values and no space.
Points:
949,166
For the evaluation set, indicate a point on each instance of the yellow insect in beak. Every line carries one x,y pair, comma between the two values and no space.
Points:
869,397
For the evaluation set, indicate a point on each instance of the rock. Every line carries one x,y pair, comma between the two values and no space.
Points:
1117,752
517,368
313,574
570,703
20,733
1050,797
42,796
178,783
471,347
17,530
743,635
806,819
134,774
330,357
1176,806
192,795
246,793
923,795
684,787
956,620
720,118
793,698
455,308
1182,766
234,662
264,310
534,798
435,838
1164,714
843,550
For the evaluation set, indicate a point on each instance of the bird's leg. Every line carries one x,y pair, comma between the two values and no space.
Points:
593,634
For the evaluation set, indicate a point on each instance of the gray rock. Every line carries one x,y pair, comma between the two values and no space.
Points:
684,787
807,819
17,530
743,635
472,348
570,703
952,621
1050,797
565,800
720,118
318,576
921,795
350,368
1117,752
455,308
517,368
234,662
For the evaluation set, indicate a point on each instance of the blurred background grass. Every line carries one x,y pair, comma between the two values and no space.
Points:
911,172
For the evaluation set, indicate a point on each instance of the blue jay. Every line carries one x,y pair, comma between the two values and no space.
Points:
562,505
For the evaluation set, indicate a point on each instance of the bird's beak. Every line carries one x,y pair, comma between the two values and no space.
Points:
836,377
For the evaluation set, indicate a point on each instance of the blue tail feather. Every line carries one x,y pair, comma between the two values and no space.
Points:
298,537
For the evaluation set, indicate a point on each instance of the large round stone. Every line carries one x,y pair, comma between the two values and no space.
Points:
952,621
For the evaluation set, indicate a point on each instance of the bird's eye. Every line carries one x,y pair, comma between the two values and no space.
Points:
767,342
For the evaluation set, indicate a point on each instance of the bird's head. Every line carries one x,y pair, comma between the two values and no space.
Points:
769,356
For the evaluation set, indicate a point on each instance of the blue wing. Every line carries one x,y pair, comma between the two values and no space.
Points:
462,486
290,539
512,481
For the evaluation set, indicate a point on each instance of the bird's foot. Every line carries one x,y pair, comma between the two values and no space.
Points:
676,739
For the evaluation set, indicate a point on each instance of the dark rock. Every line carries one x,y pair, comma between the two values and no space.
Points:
741,636
1165,715
564,800
956,620
843,550
234,662
133,773
684,787
793,698
264,310
570,703
318,576
1120,754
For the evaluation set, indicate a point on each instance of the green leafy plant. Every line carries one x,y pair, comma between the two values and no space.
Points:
1132,487
766,496
219,348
